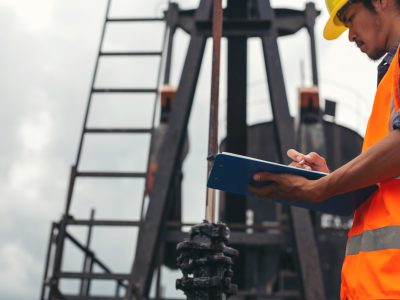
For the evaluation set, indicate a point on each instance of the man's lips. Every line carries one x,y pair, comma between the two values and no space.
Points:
359,44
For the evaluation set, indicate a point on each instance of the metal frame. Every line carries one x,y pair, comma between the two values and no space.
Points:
268,25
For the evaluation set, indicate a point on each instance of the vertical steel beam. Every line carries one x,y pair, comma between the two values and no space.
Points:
236,139
284,125
85,283
48,257
55,279
309,267
150,230
172,21
311,14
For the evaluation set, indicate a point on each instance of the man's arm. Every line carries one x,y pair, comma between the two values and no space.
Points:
379,163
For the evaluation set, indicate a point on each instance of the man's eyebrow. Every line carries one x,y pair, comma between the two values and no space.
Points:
341,13
341,17
344,17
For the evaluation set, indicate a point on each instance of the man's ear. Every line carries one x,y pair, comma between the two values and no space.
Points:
380,5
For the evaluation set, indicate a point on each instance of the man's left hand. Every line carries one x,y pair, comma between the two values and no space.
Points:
286,186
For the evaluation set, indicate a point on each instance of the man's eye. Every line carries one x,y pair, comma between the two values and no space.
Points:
351,17
348,20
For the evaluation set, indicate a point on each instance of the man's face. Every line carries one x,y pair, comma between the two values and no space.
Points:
365,30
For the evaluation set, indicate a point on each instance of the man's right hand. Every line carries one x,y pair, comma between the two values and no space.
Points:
311,161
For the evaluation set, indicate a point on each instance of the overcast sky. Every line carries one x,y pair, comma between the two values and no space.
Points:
47,57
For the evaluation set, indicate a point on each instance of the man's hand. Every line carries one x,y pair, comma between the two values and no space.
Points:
286,186
312,161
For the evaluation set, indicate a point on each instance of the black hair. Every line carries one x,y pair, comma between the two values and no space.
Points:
368,4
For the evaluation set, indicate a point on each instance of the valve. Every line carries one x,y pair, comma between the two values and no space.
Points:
206,263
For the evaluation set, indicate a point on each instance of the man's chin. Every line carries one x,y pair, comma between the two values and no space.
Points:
377,55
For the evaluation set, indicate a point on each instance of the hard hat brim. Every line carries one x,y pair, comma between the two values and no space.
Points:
334,27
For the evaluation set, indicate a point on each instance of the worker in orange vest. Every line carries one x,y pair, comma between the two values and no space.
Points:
371,269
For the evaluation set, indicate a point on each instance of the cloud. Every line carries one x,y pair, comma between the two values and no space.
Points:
43,85
18,268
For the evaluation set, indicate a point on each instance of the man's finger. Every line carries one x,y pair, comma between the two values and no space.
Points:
300,165
264,176
295,155
313,157
263,191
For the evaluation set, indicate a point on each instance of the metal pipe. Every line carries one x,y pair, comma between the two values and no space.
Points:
213,125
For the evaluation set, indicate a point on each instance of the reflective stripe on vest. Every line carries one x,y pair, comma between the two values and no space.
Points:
373,240
393,113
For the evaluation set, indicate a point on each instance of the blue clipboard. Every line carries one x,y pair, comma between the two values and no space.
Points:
232,173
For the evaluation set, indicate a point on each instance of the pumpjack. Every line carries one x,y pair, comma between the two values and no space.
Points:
285,252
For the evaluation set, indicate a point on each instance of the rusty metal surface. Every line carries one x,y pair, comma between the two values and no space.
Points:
213,122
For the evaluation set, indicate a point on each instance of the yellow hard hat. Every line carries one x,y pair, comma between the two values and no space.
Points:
334,27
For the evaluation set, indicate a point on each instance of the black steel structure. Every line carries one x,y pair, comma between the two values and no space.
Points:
259,22
280,247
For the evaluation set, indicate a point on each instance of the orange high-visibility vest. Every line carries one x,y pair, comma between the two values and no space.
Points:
371,269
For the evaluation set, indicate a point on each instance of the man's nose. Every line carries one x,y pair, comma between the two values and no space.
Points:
352,35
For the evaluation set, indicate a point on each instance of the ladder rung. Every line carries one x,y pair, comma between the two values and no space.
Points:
134,19
111,174
118,130
112,90
104,276
132,53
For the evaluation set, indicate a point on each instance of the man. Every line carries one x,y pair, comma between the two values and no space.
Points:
371,269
